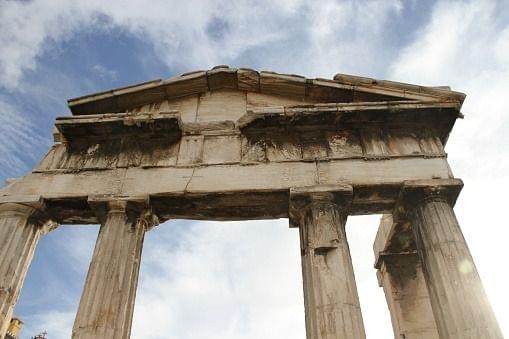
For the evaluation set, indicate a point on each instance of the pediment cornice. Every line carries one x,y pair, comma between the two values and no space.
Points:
342,89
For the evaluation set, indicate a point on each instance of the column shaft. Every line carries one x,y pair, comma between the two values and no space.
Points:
330,293
458,299
18,238
407,296
107,303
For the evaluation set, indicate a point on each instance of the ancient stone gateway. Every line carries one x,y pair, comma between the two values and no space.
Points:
235,144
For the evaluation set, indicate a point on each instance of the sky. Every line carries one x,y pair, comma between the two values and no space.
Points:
243,279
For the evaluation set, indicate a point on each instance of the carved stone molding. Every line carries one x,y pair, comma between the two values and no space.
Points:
137,209
303,198
413,192
148,220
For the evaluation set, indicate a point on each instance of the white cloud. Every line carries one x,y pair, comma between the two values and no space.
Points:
217,280
341,35
104,72
178,30
76,244
27,29
224,280
361,232
17,139
56,324
348,36
240,280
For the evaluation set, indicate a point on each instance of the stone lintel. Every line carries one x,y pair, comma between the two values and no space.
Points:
301,197
225,192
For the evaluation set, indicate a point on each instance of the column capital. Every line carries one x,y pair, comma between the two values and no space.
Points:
302,198
413,192
21,205
16,209
32,207
137,209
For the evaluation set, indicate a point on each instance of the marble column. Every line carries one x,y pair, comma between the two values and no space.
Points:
107,303
458,299
330,293
21,226
407,296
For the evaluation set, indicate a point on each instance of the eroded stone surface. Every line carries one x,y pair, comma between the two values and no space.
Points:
407,296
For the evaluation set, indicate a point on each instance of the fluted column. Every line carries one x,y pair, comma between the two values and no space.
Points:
20,230
458,299
330,293
107,303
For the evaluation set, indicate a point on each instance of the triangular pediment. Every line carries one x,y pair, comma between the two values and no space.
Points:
259,89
